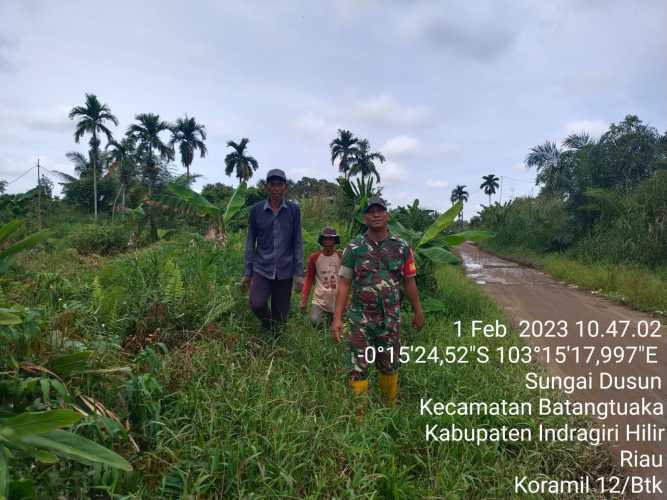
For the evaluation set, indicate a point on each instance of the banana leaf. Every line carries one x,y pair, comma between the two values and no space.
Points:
193,200
30,423
441,223
472,235
409,235
438,255
9,228
236,203
77,448
28,242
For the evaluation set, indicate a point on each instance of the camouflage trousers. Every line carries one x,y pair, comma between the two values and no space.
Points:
373,339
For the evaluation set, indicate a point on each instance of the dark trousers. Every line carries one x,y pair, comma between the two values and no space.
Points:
280,293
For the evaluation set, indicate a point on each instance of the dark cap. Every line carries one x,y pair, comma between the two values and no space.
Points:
328,232
276,172
375,200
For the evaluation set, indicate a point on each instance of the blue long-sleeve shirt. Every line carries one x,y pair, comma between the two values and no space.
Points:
274,247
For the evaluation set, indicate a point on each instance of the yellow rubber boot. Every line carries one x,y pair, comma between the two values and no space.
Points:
360,391
389,387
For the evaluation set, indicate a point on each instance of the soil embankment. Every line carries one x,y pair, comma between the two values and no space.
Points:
528,294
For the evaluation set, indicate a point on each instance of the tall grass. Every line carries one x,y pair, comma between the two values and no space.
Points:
226,413
244,417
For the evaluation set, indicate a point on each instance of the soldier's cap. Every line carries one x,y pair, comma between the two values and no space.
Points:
328,232
375,200
276,173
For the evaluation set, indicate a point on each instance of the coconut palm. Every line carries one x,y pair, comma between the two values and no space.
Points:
190,137
123,157
489,185
344,148
459,193
238,161
363,161
93,117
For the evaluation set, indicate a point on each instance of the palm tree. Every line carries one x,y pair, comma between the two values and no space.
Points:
239,162
344,148
547,160
489,185
123,158
459,193
146,134
578,141
190,136
92,120
363,161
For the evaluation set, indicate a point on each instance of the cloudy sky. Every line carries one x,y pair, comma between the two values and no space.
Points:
447,90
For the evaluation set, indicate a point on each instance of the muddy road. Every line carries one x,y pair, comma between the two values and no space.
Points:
528,294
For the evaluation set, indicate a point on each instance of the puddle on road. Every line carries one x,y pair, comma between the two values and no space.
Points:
488,269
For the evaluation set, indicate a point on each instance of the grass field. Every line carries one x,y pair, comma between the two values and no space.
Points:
218,412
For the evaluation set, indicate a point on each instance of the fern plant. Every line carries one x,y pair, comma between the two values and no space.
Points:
171,283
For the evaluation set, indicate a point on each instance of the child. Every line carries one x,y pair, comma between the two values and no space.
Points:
323,267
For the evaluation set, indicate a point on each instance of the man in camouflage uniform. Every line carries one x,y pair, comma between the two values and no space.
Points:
376,266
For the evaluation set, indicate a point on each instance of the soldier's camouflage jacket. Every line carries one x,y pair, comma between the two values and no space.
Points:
377,270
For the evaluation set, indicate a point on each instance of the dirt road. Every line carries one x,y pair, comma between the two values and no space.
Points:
528,294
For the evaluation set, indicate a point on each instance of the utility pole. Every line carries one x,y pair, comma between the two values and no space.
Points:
39,195
501,189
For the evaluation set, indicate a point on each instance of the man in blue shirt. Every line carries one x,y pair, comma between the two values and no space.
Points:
273,252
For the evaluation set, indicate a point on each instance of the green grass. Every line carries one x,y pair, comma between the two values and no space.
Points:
634,285
226,414
241,417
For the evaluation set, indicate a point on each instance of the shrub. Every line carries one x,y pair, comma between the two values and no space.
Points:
99,239
541,224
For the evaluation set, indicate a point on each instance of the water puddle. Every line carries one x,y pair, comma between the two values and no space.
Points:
484,269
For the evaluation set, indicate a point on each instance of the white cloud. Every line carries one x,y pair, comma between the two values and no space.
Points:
520,167
403,196
392,173
312,126
385,110
402,145
594,127
436,183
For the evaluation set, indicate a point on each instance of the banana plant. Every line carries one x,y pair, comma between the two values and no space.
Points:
40,435
188,202
431,244
7,315
358,193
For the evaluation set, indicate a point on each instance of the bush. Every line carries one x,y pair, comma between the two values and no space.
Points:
542,224
99,239
635,232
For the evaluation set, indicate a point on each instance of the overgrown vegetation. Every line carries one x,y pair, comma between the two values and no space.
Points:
602,204
601,200
141,342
